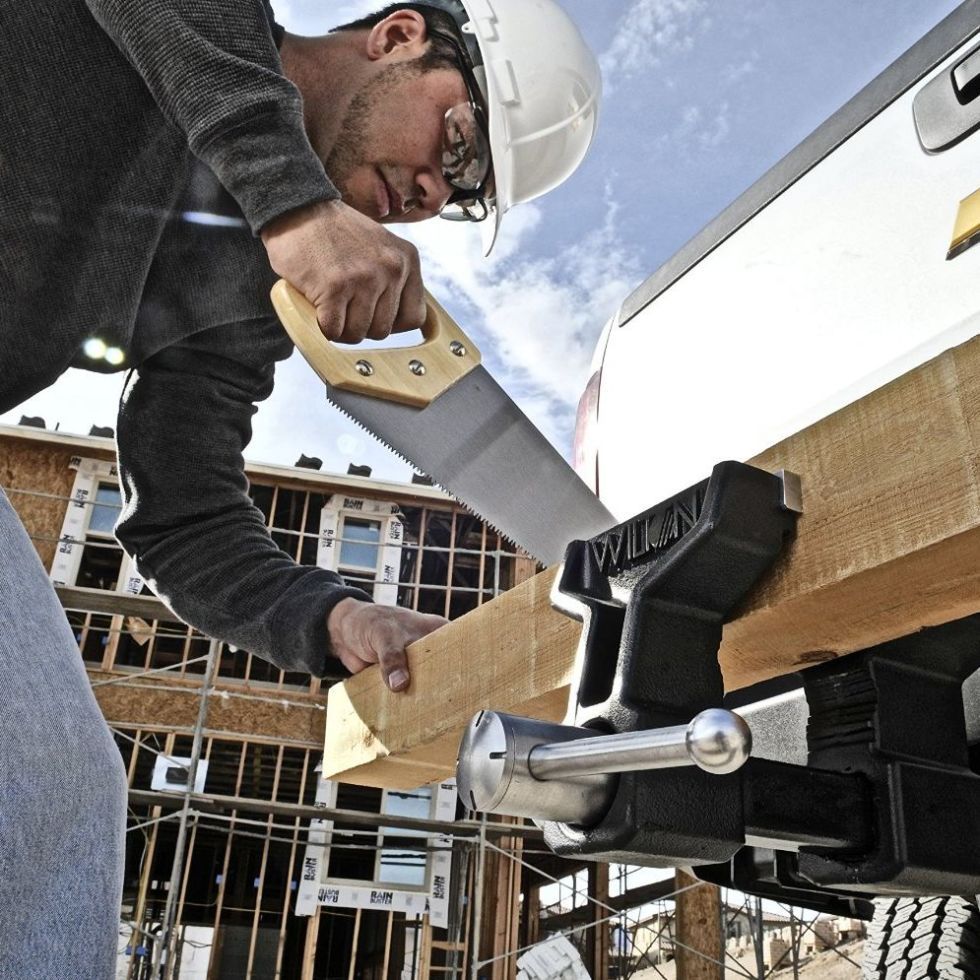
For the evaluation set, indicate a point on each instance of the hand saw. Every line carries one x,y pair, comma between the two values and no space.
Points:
436,406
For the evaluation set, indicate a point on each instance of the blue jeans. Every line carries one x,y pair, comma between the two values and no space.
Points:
62,786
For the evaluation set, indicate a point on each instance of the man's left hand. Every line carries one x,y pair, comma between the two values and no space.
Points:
362,633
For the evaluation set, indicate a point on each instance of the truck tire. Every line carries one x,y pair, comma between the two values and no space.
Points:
923,939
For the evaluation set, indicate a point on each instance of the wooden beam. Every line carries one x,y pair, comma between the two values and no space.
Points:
513,653
387,956
530,931
353,945
115,603
632,898
699,946
309,944
889,543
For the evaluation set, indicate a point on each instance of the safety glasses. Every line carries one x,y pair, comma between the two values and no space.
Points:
466,161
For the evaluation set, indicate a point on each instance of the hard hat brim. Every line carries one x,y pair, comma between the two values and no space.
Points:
500,156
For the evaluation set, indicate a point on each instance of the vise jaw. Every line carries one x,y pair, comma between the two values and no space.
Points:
653,594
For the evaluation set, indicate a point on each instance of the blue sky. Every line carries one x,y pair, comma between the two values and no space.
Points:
701,98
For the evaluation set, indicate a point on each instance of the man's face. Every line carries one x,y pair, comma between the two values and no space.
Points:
387,159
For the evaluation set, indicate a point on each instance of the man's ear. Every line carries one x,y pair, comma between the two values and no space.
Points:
399,37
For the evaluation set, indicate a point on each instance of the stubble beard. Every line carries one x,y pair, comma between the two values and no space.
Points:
350,148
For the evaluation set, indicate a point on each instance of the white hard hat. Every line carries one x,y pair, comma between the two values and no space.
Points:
542,87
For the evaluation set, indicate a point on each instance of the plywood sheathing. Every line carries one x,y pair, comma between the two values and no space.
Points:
889,543
291,718
29,469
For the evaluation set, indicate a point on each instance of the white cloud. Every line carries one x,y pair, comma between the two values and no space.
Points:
537,319
716,129
648,30
694,132
736,72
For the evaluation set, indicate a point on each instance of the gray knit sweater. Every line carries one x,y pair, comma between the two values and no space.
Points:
121,123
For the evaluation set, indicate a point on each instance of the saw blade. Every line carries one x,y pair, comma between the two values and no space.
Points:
387,445
477,444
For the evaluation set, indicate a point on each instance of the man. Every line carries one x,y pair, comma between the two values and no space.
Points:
161,163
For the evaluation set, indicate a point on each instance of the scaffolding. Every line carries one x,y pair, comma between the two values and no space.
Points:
212,871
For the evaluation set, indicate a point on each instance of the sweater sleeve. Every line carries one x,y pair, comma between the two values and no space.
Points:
214,71
184,421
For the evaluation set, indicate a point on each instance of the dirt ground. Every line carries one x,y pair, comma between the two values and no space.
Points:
825,966
830,965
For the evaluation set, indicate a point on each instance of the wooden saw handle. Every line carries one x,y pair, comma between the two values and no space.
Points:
414,375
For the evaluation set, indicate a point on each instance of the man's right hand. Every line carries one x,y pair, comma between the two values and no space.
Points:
362,280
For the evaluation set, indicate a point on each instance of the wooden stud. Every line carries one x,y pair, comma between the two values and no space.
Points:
424,967
309,945
220,901
263,864
483,562
423,529
501,902
83,632
525,567
116,626
889,543
597,938
185,654
467,930
514,909
450,563
139,906
192,840
531,916
387,957
294,868
353,945
301,534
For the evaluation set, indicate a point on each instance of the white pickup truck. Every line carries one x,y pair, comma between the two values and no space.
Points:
844,267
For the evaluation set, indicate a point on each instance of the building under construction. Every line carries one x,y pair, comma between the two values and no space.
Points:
241,861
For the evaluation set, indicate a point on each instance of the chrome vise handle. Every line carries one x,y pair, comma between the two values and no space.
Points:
527,768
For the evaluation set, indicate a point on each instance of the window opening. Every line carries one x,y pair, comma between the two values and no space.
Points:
105,510
102,558
402,865
359,545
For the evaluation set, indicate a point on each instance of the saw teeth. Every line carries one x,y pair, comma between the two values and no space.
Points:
343,411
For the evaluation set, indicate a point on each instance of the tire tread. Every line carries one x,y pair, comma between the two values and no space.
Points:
935,938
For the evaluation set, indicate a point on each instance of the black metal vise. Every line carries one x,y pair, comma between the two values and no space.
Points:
653,595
